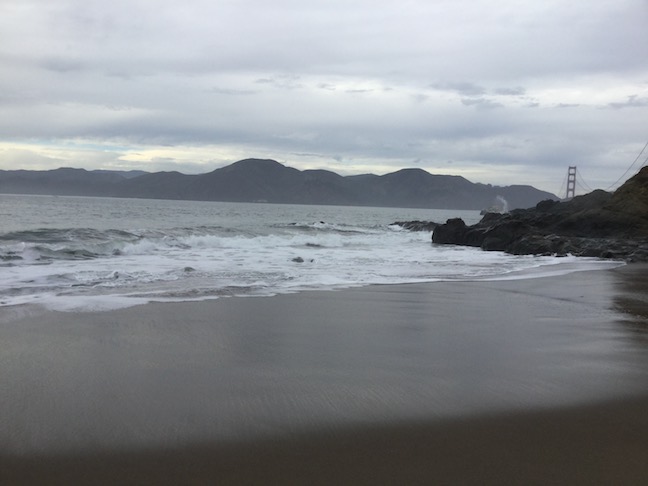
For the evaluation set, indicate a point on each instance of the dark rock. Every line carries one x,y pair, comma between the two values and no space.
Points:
298,260
451,232
546,205
598,224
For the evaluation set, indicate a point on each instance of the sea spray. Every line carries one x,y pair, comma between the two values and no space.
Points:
503,204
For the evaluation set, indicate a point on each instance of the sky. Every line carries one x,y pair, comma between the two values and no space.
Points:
498,91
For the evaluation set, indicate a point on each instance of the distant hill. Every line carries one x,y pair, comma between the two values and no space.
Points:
126,173
257,180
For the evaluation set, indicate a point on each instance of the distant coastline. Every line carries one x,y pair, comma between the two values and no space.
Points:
268,181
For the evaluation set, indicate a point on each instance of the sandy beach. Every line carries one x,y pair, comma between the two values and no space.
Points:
534,381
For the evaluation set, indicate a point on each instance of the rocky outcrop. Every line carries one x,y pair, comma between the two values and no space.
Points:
598,224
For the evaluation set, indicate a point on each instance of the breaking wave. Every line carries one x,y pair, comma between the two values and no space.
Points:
254,253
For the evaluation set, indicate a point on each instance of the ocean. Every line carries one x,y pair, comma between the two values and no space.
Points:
84,368
93,254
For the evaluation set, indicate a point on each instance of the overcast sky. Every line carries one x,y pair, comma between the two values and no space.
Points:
498,91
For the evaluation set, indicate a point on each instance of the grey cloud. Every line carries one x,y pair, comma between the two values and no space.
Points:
245,74
169,164
63,65
517,91
20,158
461,87
481,103
337,158
420,97
232,91
284,81
359,90
308,154
633,101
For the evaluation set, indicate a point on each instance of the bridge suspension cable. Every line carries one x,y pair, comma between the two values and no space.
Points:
583,184
630,168
572,180
563,186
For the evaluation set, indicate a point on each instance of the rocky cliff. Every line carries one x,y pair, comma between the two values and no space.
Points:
597,224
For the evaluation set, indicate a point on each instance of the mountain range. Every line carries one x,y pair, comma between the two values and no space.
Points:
258,180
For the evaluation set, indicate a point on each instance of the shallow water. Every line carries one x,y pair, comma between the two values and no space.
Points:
77,253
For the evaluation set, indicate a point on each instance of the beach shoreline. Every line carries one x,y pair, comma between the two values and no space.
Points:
520,382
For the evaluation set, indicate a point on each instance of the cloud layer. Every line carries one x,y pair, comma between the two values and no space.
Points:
498,91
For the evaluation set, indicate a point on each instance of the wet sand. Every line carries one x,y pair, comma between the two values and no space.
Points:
597,444
538,381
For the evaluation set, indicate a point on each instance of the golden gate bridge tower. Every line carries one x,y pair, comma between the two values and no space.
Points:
571,183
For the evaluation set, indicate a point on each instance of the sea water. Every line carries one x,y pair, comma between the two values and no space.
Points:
82,253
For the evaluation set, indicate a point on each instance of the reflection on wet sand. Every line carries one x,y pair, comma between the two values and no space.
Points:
631,299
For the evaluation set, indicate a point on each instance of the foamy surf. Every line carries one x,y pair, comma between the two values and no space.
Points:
198,251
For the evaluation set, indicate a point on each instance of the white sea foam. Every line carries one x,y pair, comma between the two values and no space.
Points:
250,254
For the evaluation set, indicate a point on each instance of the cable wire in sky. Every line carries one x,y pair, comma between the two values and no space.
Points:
563,188
630,168
587,187
578,183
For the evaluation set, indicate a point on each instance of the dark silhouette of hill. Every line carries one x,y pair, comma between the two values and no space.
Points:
58,182
257,180
157,185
